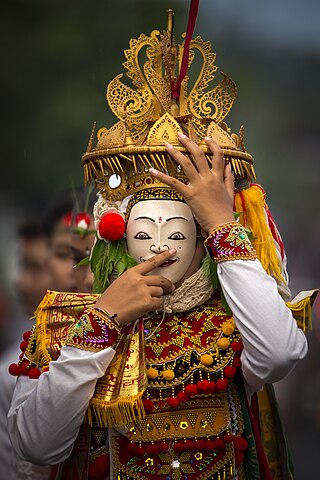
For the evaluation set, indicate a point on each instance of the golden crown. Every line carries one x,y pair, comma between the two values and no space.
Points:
150,115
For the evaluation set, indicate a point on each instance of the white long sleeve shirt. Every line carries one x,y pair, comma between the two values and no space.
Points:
46,414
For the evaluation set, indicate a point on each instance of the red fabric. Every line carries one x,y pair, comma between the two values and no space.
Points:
193,13
253,413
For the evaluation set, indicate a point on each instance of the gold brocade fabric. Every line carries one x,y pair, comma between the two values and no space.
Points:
118,395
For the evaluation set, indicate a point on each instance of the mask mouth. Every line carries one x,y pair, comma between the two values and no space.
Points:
170,262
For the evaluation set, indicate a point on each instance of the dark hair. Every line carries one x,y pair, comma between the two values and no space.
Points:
31,227
59,206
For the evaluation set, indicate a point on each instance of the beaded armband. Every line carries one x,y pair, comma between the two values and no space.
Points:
230,242
92,333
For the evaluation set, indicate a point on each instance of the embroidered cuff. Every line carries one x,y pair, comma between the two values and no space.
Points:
90,333
230,242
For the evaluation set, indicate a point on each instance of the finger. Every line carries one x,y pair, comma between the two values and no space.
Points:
229,181
160,281
198,155
218,161
170,181
155,304
156,292
186,164
155,261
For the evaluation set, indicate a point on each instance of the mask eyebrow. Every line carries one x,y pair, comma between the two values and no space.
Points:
145,218
174,218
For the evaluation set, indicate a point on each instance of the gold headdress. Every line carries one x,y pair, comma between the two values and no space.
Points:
151,114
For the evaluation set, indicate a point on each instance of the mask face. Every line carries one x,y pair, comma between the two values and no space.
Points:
158,225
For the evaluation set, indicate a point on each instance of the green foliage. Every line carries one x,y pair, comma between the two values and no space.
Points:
210,270
108,261
84,262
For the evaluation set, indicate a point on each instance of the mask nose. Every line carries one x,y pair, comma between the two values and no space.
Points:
159,248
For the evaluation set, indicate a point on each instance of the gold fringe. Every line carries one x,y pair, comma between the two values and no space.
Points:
41,316
254,217
118,412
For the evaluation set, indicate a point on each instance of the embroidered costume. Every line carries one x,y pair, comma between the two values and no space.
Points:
168,396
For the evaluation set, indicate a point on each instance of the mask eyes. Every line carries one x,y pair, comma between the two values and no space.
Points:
177,236
142,236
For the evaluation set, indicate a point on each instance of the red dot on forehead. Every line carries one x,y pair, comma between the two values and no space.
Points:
160,219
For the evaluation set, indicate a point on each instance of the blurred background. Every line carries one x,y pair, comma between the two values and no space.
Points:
57,58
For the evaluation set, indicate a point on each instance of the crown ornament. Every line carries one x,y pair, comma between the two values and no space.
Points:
153,111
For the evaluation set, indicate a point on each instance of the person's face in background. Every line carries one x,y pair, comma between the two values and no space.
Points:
81,246
33,275
60,259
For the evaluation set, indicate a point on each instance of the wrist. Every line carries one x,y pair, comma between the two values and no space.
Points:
110,319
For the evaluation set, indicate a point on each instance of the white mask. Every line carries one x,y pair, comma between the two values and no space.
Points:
158,225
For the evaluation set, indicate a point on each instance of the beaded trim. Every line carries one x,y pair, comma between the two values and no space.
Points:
229,242
90,333
110,320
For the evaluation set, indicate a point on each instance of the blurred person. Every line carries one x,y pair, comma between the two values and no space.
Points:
33,275
45,261
31,281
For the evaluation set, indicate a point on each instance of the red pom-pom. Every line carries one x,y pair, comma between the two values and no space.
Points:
163,447
188,445
102,464
222,384
179,447
148,405
240,444
203,386
140,452
212,387
191,390
133,448
34,373
27,335
237,346
209,446
21,355
23,345
111,226
172,402
25,366
14,369
219,444
152,449
229,371
238,458
201,444
182,397
228,438
236,362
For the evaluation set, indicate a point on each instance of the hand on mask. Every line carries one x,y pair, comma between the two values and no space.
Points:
136,293
210,191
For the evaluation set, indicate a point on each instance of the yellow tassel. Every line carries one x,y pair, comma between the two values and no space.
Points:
251,203
302,309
